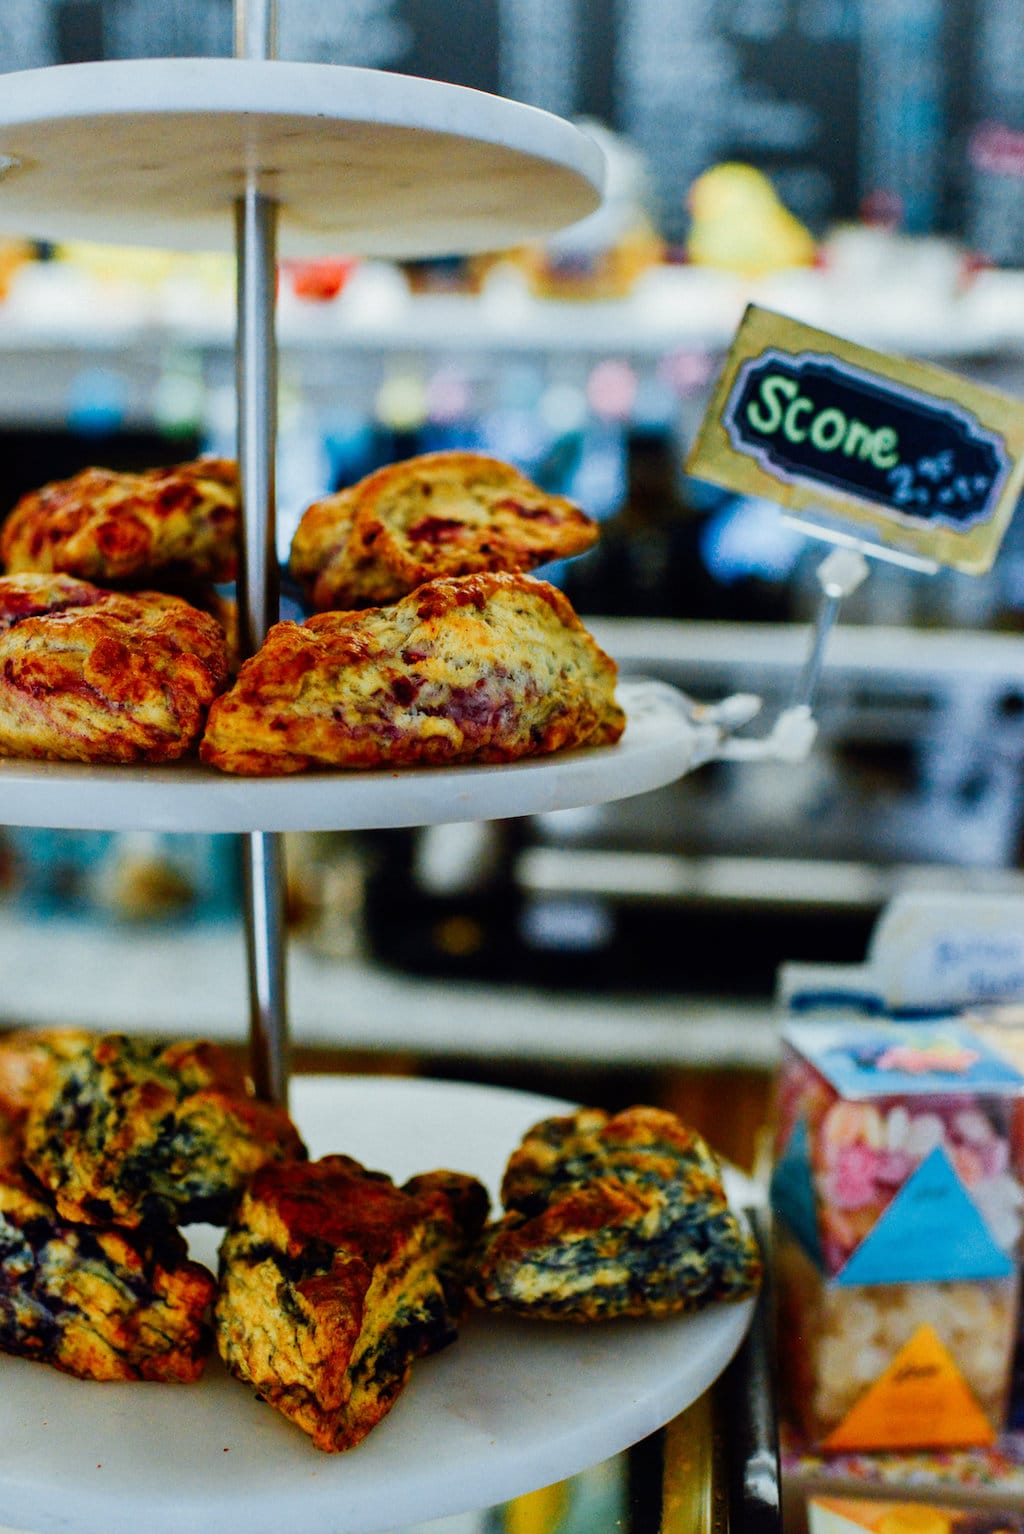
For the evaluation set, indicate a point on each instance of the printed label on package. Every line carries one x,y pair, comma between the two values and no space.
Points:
931,463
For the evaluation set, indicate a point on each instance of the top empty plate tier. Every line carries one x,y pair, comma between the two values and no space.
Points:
361,162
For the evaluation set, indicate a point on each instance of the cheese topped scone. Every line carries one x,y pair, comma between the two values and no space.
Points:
102,676
333,1281
105,1304
131,1131
138,529
446,513
613,1215
475,668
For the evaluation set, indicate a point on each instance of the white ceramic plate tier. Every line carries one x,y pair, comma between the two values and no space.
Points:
660,744
511,1406
360,161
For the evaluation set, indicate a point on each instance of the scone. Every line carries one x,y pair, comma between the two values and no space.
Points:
100,676
448,513
132,1131
101,1304
474,668
29,1057
333,1281
607,1216
179,523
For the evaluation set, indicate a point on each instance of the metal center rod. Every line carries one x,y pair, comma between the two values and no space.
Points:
258,591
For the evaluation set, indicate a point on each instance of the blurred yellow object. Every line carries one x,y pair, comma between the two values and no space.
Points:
739,224
143,266
536,1512
13,255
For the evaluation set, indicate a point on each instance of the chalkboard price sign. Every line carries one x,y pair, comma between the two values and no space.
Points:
824,421
929,460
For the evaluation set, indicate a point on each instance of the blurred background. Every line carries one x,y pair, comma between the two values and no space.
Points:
858,164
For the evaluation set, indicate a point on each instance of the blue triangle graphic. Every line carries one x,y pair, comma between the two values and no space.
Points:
792,1191
930,1233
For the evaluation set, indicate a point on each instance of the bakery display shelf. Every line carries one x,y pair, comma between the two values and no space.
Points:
661,741
509,1407
278,159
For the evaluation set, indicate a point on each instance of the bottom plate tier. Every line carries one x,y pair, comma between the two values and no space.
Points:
510,1407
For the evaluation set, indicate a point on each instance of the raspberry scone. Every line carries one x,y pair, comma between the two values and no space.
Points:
333,1281
133,1131
447,513
475,668
102,676
140,529
607,1216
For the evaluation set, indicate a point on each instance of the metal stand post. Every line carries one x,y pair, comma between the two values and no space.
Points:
258,596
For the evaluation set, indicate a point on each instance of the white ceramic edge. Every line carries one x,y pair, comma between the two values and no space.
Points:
717,1335
267,108
344,93
660,743
568,1454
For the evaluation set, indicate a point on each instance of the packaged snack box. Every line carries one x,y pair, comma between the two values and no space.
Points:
898,1197
841,1515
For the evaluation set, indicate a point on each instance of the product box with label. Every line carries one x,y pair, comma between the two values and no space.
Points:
898,1201
841,1515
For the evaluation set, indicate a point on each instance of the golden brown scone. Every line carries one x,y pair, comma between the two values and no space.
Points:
132,1131
130,529
102,676
607,1216
473,668
100,1304
448,513
333,1281
28,1059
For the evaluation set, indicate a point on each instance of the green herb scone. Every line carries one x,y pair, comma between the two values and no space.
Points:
131,1131
613,1216
103,1304
333,1281
29,1057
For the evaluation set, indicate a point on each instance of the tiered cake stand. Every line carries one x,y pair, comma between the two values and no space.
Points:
255,153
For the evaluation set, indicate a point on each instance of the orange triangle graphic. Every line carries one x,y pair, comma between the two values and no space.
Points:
920,1402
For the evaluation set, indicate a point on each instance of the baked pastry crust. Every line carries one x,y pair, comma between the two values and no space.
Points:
607,1216
475,668
100,1304
333,1281
446,513
102,676
132,1131
136,529
29,1059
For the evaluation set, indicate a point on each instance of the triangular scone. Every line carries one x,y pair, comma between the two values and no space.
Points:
447,513
102,1304
483,668
102,676
622,1215
137,529
133,1131
333,1281
29,1060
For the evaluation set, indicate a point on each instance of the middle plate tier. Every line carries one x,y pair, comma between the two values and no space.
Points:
662,741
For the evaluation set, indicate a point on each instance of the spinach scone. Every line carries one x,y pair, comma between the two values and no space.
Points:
613,1215
102,1304
333,1281
131,1131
